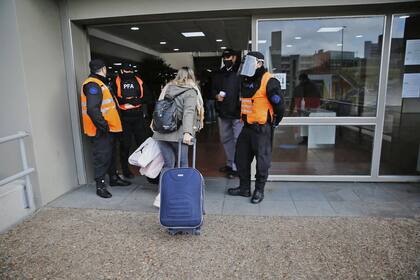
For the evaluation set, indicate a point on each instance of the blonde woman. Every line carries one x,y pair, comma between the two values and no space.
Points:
189,106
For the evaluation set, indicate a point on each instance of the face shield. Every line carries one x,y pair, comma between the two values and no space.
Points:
249,66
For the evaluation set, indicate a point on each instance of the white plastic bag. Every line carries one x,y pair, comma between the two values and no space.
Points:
156,203
153,169
144,154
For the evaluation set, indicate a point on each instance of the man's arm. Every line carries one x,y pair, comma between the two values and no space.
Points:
94,101
276,99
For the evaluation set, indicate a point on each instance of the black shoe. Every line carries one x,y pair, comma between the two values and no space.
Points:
239,192
101,189
232,174
128,175
257,197
116,180
225,169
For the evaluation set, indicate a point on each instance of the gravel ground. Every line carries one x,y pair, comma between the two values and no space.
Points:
102,244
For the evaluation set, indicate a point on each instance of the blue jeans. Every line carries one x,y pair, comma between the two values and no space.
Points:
229,130
210,111
169,151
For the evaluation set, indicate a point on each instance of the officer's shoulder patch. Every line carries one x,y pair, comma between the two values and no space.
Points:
93,90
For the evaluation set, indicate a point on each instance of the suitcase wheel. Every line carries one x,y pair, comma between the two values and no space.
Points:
172,232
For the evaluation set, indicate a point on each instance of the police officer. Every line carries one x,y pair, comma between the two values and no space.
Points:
261,110
101,123
225,88
132,96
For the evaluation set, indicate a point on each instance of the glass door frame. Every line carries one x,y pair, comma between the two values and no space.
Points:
377,121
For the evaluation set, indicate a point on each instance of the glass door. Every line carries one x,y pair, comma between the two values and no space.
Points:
332,70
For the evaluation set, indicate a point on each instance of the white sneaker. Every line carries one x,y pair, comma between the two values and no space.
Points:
156,203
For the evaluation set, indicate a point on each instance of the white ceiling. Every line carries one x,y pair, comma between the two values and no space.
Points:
235,33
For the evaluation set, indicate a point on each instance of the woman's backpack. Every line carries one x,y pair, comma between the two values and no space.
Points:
165,118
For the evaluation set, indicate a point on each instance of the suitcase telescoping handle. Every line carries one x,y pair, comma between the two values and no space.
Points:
194,152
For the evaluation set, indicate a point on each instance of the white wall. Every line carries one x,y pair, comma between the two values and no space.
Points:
45,84
14,107
178,60
81,9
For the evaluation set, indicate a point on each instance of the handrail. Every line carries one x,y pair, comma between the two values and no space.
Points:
9,138
29,197
16,176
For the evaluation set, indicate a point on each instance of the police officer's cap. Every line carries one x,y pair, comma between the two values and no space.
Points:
258,55
127,66
228,52
96,64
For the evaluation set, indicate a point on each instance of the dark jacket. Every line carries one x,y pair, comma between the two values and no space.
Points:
94,101
229,82
249,87
132,89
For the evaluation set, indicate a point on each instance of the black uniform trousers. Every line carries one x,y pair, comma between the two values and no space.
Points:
254,141
104,152
131,127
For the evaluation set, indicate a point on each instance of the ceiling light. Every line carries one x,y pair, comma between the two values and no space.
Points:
330,29
117,63
223,48
298,37
262,41
404,16
135,28
193,34
176,50
162,43
109,67
359,36
135,66
219,40
250,42
116,71
209,70
136,70
289,46
339,45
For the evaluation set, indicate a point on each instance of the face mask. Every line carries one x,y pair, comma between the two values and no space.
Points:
228,63
128,75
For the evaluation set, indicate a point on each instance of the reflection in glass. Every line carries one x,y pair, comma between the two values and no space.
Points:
322,150
331,65
401,136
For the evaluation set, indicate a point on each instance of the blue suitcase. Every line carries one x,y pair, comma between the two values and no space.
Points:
182,198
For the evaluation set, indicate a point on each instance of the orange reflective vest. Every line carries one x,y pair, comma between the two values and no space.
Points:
256,107
108,109
119,94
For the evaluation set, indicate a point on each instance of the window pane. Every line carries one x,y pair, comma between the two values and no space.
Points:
339,56
401,137
322,150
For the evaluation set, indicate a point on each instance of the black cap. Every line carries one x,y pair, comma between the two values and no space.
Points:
228,52
258,55
127,66
96,64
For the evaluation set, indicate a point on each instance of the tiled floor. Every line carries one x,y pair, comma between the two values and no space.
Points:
281,199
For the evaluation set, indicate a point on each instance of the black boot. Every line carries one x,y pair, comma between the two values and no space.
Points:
239,192
225,169
127,174
232,174
101,189
258,196
116,180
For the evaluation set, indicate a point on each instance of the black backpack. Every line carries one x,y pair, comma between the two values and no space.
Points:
165,118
